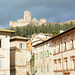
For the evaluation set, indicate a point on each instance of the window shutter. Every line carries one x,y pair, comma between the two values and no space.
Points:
37,56
48,53
23,46
47,68
41,55
41,68
36,68
20,45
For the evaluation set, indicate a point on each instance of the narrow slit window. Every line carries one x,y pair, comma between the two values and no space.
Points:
0,43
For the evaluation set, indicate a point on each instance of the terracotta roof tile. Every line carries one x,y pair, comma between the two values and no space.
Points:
6,30
19,37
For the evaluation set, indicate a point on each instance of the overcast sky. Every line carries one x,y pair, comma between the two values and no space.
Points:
52,10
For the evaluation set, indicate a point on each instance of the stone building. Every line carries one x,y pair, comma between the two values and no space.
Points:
69,21
27,16
27,21
37,38
5,51
43,59
55,56
19,62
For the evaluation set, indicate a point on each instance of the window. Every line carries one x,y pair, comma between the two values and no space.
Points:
59,62
36,48
72,45
0,43
73,62
65,46
21,45
36,68
54,49
36,56
0,64
66,62
41,55
21,62
66,73
41,68
6,36
55,64
41,46
46,44
58,48
47,53
47,68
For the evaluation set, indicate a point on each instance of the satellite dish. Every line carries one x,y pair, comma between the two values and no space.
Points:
28,55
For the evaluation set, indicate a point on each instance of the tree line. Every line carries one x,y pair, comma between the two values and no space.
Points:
50,29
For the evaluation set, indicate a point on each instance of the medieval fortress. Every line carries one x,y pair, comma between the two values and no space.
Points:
27,21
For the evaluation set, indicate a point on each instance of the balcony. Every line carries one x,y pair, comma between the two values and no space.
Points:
64,70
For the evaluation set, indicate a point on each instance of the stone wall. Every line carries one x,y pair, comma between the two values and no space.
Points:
5,54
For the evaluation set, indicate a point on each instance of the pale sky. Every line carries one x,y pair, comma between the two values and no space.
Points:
52,10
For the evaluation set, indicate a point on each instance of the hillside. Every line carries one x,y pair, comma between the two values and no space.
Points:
50,29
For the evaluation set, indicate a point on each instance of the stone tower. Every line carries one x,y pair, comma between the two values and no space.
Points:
27,16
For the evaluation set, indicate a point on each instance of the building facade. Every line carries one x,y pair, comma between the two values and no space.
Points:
42,60
56,56
19,64
5,51
64,53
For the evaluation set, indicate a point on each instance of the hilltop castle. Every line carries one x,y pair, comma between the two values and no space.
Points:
27,21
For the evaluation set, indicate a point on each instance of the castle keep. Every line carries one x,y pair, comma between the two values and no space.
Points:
27,21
